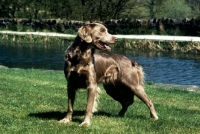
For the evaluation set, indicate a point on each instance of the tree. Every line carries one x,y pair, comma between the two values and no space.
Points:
174,9
103,9
141,9
151,4
195,7
4,11
99,9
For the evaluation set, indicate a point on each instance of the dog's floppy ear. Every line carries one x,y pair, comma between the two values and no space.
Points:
84,33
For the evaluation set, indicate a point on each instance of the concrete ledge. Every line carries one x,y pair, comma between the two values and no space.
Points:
2,66
183,87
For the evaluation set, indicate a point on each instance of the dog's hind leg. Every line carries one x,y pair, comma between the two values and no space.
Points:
126,102
71,97
122,94
140,93
123,110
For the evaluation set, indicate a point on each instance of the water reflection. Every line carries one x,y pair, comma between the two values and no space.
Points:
163,67
35,56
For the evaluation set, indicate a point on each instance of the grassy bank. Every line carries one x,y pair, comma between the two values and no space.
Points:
139,44
36,39
32,101
151,45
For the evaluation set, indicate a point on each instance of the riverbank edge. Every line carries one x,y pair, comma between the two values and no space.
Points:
191,88
183,44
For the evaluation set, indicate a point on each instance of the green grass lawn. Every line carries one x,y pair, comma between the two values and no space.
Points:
32,101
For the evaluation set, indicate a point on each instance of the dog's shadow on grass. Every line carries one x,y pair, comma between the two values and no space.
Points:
57,115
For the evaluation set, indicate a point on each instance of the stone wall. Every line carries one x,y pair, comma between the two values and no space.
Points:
161,26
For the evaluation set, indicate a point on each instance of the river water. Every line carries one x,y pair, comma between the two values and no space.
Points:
159,67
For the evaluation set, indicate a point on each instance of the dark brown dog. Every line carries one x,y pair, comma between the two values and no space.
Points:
122,78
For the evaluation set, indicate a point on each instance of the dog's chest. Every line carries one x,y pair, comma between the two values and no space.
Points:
82,75
80,66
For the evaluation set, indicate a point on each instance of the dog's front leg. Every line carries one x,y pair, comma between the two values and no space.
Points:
71,97
92,90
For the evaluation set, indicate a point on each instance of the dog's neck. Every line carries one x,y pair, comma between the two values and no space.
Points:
80,51
78,42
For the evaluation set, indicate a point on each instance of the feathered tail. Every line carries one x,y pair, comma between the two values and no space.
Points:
139,72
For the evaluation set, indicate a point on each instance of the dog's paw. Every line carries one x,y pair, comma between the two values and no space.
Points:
65,120
85,124
154,117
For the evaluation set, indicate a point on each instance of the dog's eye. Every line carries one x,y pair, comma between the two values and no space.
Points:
102,30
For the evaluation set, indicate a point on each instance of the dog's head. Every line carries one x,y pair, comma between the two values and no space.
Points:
97,34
